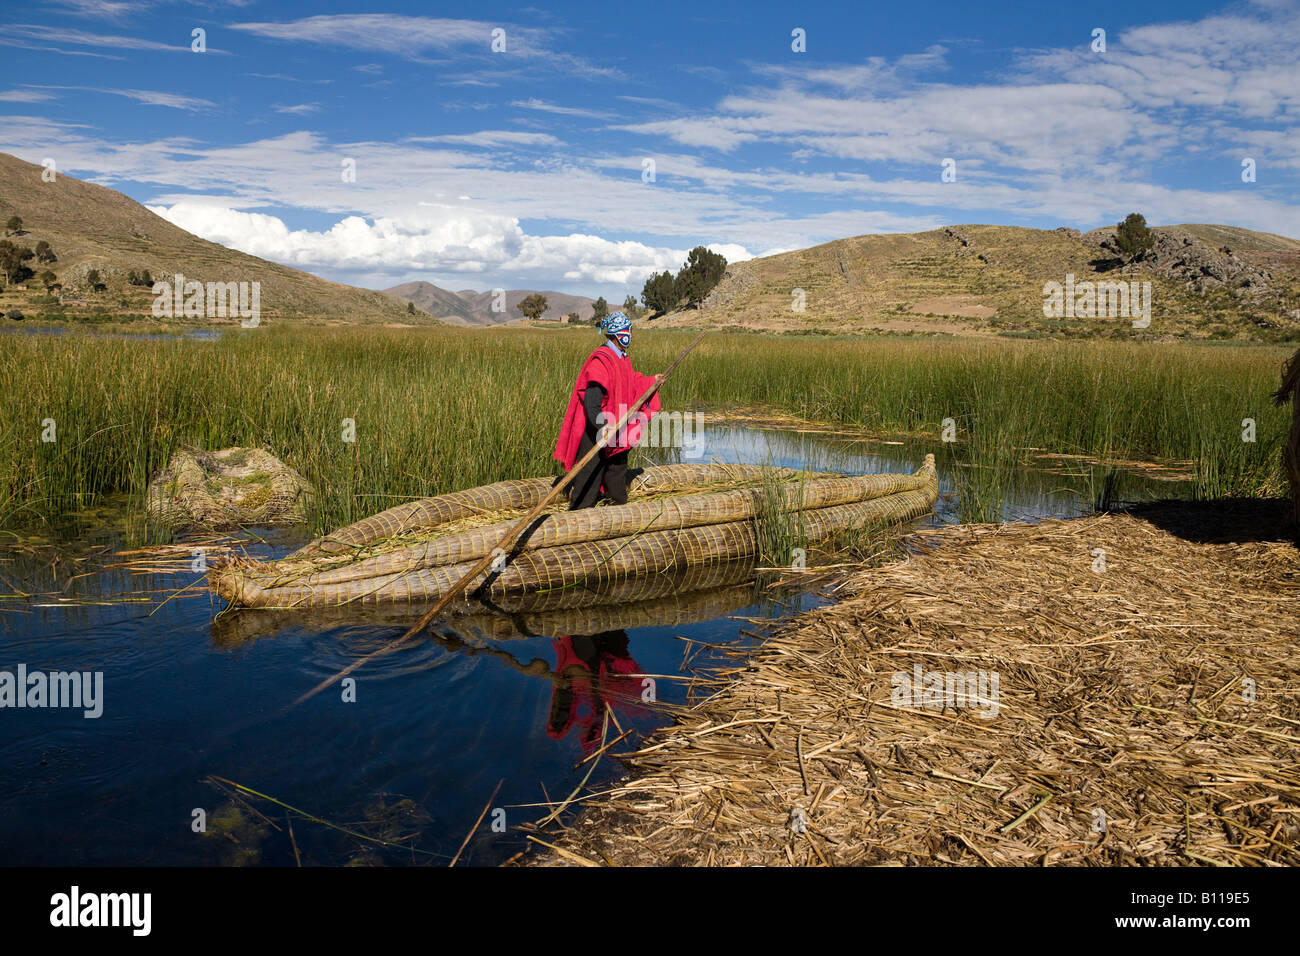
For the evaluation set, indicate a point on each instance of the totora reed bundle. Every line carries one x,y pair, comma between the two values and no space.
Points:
678,516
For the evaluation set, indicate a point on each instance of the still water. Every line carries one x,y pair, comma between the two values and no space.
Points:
489,712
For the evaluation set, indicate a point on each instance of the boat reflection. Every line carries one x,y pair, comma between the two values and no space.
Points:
685,597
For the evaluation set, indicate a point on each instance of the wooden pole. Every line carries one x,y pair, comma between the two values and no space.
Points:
511,535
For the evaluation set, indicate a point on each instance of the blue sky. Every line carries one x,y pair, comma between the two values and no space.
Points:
526,167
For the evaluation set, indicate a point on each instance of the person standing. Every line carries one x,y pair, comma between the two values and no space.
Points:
607,386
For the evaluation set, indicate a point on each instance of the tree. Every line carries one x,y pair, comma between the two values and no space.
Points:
571,318
599,309
410,308
44,253
1132,237
12,261
534,305
660,292
630,306
92,277
689,286
48,279
702,271
15,224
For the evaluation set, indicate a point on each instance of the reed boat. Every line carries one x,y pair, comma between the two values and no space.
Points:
656,600
680,526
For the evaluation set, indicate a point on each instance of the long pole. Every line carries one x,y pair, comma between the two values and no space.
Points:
512,534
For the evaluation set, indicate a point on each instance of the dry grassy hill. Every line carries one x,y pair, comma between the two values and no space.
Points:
92,227
1207,282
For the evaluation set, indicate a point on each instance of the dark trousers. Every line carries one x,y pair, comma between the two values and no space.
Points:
604,469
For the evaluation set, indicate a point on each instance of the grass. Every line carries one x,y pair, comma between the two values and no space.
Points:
440,409
778,522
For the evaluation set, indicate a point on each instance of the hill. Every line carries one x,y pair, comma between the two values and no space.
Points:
468,307
1207,281
91,227
439,303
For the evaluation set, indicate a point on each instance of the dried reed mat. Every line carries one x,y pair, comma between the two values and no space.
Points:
1123,736
230,488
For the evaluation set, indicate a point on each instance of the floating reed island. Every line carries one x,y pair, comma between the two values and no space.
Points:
1146,710
678,518
230,488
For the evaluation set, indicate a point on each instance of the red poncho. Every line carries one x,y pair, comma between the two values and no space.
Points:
623,385
582,689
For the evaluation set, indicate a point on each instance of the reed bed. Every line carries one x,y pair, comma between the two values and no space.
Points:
439,409
1149,713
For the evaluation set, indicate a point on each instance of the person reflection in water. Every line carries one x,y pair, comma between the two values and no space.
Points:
591,672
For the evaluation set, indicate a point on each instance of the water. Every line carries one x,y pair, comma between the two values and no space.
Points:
434,729
201,335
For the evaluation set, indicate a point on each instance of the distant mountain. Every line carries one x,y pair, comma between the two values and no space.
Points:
93,227
439,303
468,307
1207,281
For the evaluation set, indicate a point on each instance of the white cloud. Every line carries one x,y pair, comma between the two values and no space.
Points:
109,9
711,132
14,34
149,97
399,35
441,240
418,38
533,103
24,96
492,138
1233,63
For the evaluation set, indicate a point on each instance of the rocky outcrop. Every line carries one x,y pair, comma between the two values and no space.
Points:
963,240
1194,264
736,281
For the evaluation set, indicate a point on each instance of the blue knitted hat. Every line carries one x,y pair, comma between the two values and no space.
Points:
619,327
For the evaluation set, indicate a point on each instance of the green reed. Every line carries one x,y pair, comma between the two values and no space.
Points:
439,409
